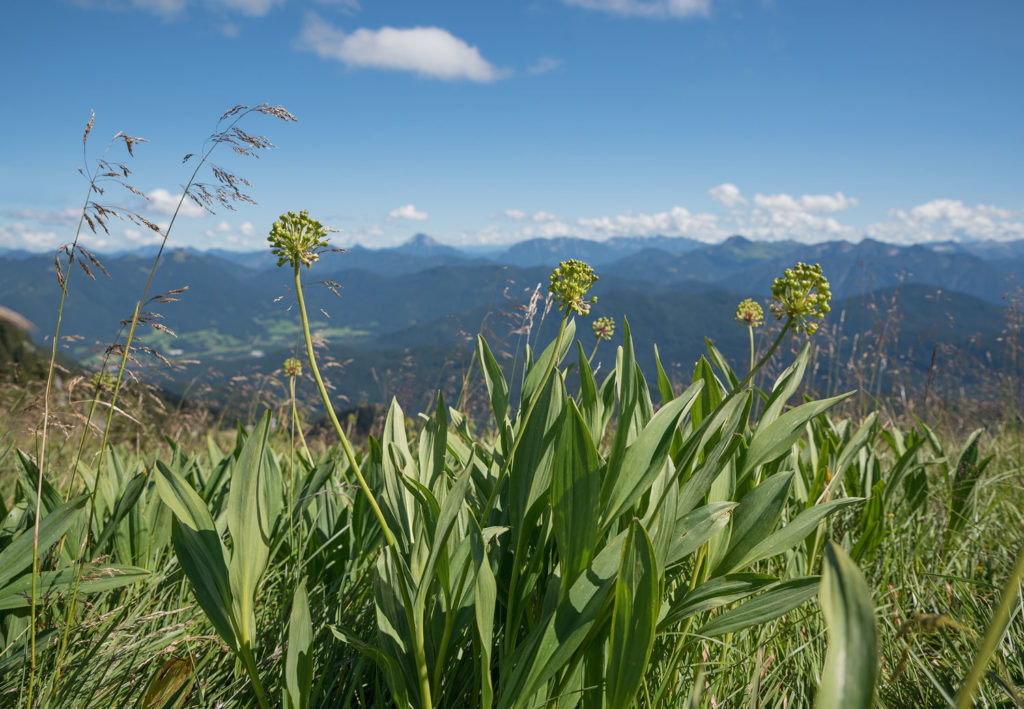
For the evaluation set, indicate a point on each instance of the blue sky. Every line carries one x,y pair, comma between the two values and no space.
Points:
490,122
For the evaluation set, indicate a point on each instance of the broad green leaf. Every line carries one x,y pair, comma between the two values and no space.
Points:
710,595
129,496
760,609
722,363
785,386
962,483
755,518
664,384
497,388
250,527
724,422
17,556
485,594
298,664
634,618
696,527
775,439
171,685
535,374
561,633
575,495
794,532
851,662
644,458
199,550
591,404
450,508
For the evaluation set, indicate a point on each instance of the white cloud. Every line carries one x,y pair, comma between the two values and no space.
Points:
346,6
161,7
948,219
543,65
655,9
407,211
64,217
816,203
247,229
543,216
677,221
430,52
515,215
253,8
727,194
162,201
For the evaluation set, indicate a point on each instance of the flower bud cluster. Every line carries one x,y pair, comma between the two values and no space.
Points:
603,328
296,238
569,285
800,294
749,313
292,367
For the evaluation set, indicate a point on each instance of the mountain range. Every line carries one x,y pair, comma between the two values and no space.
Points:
422,301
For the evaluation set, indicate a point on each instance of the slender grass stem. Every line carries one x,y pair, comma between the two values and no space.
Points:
41,457
994,634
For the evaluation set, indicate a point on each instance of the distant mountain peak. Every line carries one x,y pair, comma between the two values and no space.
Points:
422,240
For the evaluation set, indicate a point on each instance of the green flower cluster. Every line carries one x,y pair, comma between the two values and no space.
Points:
297,239
569,285
103,381
801,293
292,367
603,328
750,313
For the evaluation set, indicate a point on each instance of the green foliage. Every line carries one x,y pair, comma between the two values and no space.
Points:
581,546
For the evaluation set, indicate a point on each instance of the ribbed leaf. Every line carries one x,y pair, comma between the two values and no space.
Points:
644,458
634,618
851,662
713,594
760,609
575,493
249,526
199,550
561,633
298,664
17,556
755,518
774,439
794,532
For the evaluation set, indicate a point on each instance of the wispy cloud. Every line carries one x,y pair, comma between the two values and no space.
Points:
162,201
543,65
654,9
430,52
408,211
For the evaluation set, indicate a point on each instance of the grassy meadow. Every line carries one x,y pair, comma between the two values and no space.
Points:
565,532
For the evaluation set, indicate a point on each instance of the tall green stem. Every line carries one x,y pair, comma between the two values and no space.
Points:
325,397
415,623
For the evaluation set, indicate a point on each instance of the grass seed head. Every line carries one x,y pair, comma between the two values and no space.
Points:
569,285
801,294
